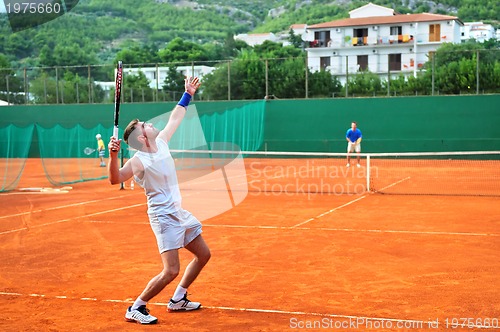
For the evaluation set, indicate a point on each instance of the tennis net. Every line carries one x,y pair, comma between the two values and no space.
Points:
431,173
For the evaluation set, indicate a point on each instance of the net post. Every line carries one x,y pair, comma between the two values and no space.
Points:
368,173
122,185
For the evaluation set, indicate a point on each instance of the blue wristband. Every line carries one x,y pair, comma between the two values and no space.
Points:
185,99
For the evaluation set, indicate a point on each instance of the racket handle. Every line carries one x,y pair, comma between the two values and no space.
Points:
115,135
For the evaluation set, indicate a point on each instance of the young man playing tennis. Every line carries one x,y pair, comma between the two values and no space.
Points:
153,168
353,137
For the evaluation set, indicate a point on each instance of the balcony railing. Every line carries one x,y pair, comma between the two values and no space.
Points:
363,41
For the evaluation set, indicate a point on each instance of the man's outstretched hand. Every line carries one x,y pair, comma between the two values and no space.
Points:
192,84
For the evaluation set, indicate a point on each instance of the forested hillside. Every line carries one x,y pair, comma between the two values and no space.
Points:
95,30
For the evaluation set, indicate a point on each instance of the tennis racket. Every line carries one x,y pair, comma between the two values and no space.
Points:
118,94
88,151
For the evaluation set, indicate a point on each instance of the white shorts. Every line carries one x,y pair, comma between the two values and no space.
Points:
175,230
353,147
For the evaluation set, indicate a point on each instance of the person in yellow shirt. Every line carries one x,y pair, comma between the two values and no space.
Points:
101,148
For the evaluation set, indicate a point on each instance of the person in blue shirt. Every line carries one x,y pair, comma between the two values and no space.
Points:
353,137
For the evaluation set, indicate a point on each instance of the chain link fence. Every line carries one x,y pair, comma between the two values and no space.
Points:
457,73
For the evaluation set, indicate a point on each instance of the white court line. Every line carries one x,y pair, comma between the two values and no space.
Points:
329,211
353,230
245,226
63,206
56,192
359,319
346,204
117,222
395,183
314,229
74,218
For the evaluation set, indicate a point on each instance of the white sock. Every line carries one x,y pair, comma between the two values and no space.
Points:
179,293
138,303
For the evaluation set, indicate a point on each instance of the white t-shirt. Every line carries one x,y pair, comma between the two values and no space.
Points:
159,180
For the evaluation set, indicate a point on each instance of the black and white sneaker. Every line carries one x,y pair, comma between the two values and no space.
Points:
140,315
183,305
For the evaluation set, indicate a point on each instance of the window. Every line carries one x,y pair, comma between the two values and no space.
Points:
322,37
395,31
363,62
361,35
360,32
434,32
395,62
324,62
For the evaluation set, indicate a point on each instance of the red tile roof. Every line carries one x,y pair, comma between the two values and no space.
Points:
376,20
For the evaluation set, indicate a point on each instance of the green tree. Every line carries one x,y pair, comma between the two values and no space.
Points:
72,55
272,50
75,89
457,76
47,56
364,83
4,62
322,84
456,67
419,85
179,50
10,85
295,40
286,77
396,86
18,45
247,79
215,84
248,76
173,85
69,89
136,88
43,89
229,47
145,54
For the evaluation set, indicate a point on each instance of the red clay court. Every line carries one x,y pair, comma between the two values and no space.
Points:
74,260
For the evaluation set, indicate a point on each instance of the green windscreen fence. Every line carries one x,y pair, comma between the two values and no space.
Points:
407,124
236,129
70,155
242,126
15,144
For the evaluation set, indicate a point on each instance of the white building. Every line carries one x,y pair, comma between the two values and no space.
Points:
253,39
302,31
478,31
157,75
379,40
106,86
152,73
